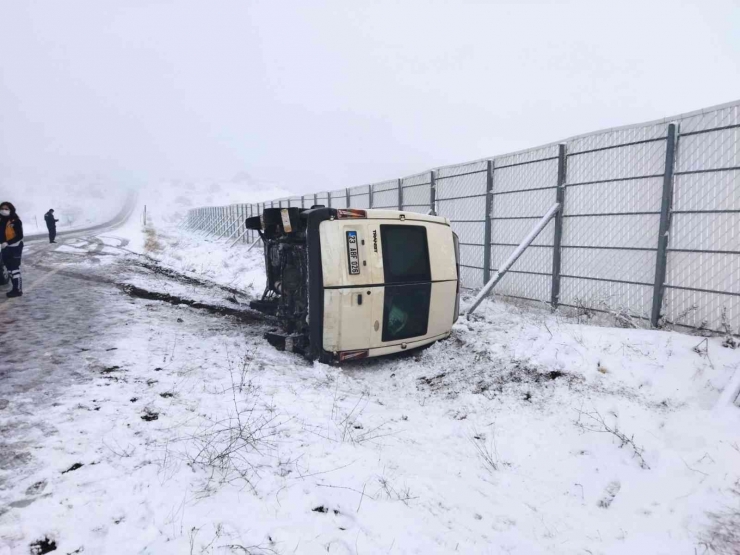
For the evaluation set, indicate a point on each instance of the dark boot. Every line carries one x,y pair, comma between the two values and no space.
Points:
15,279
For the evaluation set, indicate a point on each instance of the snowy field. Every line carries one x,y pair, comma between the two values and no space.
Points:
156,420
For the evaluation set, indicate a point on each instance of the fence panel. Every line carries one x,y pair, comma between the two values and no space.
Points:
613,193
461,197
359,197
703,267
385,194
339,198
524,189
416,193
322,199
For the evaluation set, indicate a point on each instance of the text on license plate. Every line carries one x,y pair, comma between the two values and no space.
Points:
353,254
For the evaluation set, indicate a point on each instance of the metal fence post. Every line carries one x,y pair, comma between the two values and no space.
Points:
250,214
665,225
370,196
432,193
558,236
400,195
487,226
347,197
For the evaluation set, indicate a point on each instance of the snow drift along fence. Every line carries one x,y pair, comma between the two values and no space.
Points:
650,224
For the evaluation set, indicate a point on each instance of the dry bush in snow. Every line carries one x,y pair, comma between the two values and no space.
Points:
730,340
594,422
487,453
230,447
723,536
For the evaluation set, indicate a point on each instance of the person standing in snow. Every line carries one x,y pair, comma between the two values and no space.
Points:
11,243
51,225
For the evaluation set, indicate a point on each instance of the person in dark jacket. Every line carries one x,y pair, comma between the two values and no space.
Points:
11,243
51,225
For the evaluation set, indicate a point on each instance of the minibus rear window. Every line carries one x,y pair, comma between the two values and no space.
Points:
406,311
405,253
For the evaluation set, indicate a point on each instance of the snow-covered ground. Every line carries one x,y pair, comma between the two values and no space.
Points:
155,427
169,201
78,201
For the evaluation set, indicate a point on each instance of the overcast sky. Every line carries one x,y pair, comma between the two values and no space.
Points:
318,95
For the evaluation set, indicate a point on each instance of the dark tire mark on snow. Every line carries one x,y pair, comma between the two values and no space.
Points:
243,315
174,274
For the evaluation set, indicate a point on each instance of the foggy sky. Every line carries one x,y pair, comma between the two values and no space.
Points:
319,95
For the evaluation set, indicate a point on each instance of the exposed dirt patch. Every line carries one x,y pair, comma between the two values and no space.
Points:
72,468
435,382
44,545
150,415
151,244
36,488
323,509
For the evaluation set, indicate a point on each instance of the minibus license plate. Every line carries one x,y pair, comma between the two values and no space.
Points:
353,253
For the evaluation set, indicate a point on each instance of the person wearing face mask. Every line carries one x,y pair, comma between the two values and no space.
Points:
11,242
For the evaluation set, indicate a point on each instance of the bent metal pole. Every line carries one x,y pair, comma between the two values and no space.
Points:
514,257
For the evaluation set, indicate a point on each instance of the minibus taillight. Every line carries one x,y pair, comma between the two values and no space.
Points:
350,214
353,355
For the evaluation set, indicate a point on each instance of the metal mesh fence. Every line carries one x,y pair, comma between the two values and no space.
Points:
386,194
461,193
649,226
416,193
338,198
524,188
359,197
703,266
613,195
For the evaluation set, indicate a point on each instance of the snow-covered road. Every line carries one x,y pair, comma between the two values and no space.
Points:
136,425
47,337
